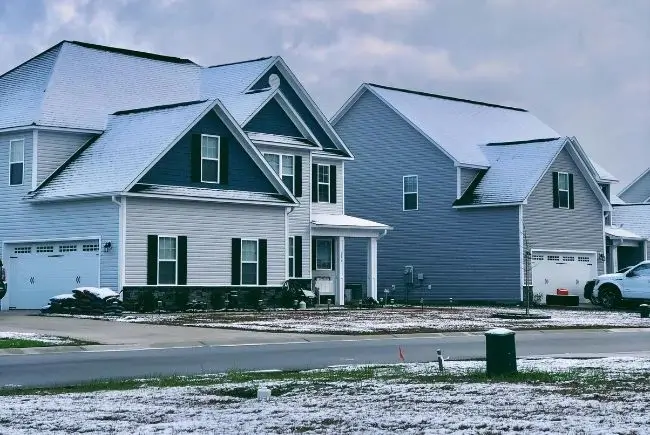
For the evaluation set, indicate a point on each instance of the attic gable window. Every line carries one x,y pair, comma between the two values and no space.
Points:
563,194
16,161
210,158
410,192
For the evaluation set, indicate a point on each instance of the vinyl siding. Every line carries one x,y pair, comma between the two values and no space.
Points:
298,105
467,175
209,228
24,220
548,228
175,167
327,207
637,192
298,219
470,254
54,148
273,119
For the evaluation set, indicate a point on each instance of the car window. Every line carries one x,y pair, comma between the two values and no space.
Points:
642,270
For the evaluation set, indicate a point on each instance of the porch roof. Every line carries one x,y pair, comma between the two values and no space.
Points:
345,222
621,233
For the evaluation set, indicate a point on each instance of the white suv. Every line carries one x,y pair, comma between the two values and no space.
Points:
611,288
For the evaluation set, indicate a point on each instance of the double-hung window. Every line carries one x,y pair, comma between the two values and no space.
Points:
323,183
563,189
16,161
167,260
284,166
249,262
323,254
410,192
292,257
209,158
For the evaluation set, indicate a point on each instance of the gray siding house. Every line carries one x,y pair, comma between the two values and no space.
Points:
144,172
485,200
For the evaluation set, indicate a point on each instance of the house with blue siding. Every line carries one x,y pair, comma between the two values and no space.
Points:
485,200
149,173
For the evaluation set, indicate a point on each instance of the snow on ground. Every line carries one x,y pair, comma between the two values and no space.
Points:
49,339
363,407
403,320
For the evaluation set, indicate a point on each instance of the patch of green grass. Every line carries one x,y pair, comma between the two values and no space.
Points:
19,343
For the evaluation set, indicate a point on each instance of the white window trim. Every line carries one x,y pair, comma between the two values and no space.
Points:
329,180
256,262
22,178
331,242
292,258
281,168
417,193
168,261
567,190
212,158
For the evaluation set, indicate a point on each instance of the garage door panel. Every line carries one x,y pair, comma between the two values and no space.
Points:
570,270
39,271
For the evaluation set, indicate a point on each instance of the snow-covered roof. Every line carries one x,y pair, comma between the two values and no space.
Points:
460,126
131,141
243,106
77,85
206,193
345,221
633,217
279,139
621,233
602,172
515,169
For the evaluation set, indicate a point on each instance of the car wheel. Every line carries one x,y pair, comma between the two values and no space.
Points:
610,298
594,300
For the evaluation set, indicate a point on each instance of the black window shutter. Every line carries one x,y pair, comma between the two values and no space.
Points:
261,264
314,183
297,163
195,157
152,259
297,256
235,262
556,192
182,260
224,152
333,255
571,203
333,184
313,254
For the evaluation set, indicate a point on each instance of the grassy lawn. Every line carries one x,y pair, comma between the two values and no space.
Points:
18,343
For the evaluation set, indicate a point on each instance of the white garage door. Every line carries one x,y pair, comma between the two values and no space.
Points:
36,272
569,270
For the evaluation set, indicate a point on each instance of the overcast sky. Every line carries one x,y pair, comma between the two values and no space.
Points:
582,66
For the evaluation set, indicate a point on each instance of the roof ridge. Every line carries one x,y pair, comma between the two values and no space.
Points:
134,53
32,58
446,97
259,59
521,142
159,107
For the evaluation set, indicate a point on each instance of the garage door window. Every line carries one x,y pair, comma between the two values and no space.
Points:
45,249
67,248
23,250
167,260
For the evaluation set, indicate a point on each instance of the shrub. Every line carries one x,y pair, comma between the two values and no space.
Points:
146,301
181,298
216,300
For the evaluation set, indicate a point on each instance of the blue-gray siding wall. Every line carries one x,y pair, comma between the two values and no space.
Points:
273,119
469,254
467,175
23,220
298,105
637,192
548,228
175,167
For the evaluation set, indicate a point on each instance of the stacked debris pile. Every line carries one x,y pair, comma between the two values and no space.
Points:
86,300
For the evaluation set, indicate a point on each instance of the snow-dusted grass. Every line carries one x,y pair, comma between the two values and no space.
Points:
393,320
551,396
27,339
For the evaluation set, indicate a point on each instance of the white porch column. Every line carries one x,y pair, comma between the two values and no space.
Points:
614,257
340,280
371,289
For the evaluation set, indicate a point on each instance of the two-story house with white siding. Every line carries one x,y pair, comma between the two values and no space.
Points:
138,172
485,199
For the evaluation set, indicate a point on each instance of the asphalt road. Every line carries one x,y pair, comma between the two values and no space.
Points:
74,367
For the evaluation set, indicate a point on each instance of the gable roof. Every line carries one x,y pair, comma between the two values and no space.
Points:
636,181
602,173
633,217
457,126
92,170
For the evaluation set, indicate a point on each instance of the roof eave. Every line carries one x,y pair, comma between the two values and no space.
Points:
276,203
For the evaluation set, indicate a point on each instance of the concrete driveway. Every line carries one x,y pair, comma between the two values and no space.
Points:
137,335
